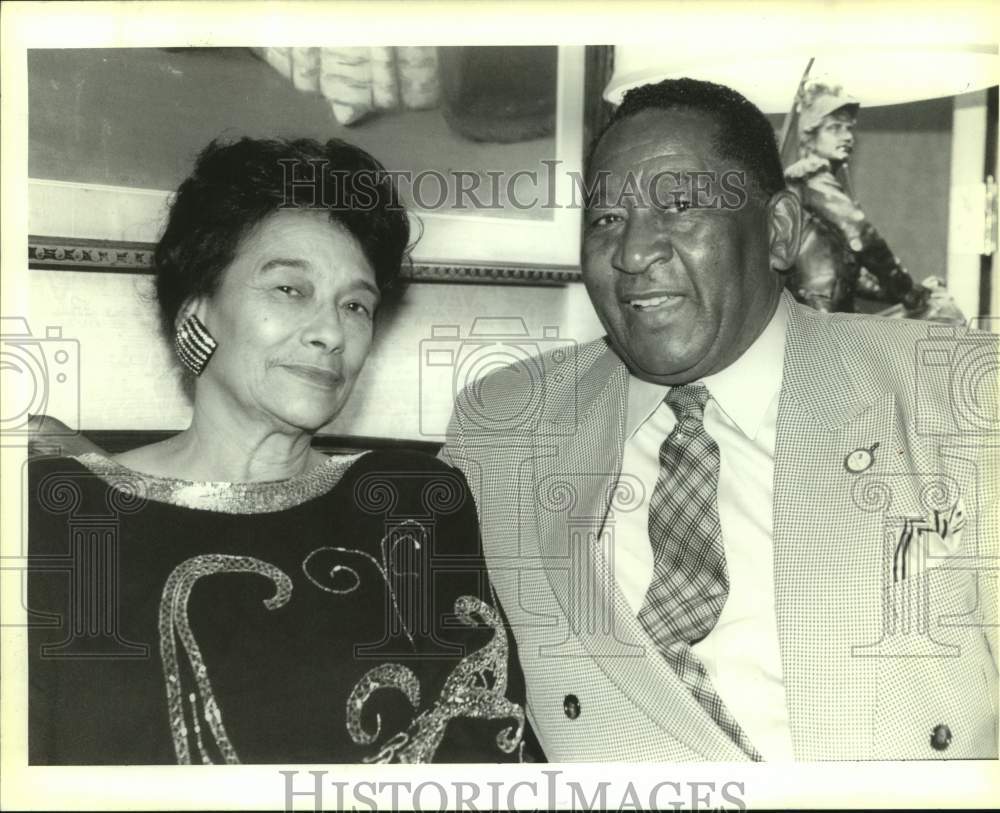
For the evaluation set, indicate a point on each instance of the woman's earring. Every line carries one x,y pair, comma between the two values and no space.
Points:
194,344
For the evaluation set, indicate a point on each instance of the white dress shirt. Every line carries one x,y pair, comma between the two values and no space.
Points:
741,653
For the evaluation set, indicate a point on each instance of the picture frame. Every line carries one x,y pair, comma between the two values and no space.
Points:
77,226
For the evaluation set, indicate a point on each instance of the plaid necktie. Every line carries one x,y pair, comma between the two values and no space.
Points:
690,580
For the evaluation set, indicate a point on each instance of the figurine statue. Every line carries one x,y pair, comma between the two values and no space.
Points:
839,244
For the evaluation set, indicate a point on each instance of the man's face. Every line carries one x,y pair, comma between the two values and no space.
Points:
680,279
834,140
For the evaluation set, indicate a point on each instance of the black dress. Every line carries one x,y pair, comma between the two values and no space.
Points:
341,616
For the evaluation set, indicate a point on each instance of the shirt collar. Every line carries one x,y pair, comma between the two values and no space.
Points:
744,390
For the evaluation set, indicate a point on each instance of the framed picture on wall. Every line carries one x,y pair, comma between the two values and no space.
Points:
486,144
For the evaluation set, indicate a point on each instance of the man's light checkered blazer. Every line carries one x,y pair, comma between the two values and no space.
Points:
876,666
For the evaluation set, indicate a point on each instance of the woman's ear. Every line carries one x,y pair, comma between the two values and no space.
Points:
194,306
192,340
785,229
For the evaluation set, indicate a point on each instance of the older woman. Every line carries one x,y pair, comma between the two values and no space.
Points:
230,594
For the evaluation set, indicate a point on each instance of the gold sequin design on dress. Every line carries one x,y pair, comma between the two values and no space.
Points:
173,622
259,497
476,688
387,547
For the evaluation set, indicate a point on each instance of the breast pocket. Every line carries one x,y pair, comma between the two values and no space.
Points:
923,544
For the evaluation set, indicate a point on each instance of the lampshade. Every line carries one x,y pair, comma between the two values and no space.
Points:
770,78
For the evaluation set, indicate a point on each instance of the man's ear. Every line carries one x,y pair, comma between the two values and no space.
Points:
784,229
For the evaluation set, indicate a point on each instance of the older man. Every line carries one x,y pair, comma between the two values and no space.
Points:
735,528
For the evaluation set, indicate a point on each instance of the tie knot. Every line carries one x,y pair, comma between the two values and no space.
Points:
688,401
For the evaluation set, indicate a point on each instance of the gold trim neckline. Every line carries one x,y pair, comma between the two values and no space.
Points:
222,497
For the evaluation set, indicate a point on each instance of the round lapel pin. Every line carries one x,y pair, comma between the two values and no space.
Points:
860,459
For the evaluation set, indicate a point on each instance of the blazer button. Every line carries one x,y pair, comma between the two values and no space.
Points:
940,737
571,705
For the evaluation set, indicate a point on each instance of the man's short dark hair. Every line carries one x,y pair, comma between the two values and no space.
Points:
742,134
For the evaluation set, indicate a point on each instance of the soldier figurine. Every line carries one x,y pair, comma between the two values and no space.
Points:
838,240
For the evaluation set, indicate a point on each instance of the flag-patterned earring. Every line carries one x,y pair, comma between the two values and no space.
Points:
194,344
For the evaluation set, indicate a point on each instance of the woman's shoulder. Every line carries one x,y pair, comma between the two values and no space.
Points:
406,474
388,487
60,490
73,484
45,470
403,459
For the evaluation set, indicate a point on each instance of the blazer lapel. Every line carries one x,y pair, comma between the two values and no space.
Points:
830,540
577,493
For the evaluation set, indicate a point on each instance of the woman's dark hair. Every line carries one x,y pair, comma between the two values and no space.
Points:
236,186
742,132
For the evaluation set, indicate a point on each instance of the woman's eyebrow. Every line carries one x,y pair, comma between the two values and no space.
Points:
284,262
304,265
367,286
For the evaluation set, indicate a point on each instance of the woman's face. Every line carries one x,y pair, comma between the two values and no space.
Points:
293,320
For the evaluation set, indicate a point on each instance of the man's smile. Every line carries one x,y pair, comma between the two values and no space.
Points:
653,300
